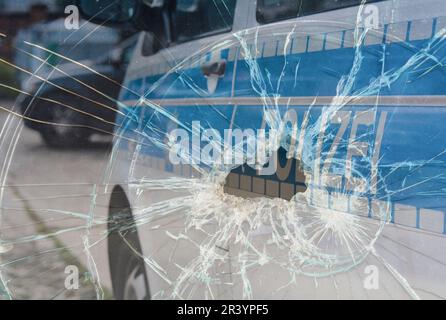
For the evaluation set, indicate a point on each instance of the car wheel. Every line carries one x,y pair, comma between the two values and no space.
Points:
63,134
127,267
129,275
135,285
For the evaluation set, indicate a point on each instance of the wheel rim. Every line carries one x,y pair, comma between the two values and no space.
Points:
64,117
135,286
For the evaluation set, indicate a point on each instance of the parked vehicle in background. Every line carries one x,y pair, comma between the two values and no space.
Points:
74,100
38,41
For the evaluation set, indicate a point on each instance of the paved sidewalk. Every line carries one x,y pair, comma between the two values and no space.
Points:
35,194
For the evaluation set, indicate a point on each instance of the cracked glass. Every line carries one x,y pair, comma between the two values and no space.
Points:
223,150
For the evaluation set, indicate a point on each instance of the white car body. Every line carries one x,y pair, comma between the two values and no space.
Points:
184,259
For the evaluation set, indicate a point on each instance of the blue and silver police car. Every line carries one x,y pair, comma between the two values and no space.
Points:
279,149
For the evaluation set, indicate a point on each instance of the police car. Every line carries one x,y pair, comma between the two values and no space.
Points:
279,149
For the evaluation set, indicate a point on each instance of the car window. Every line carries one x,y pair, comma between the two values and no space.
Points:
127,54
197,18
276,10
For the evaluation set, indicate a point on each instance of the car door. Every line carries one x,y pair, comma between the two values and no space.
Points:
187,85
344,96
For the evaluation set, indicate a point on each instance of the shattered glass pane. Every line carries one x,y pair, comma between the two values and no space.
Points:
239,150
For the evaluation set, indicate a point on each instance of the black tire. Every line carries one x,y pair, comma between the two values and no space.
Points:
69,133
131,277
127,266
57,141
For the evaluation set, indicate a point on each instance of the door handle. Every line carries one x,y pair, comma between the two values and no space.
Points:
216,68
